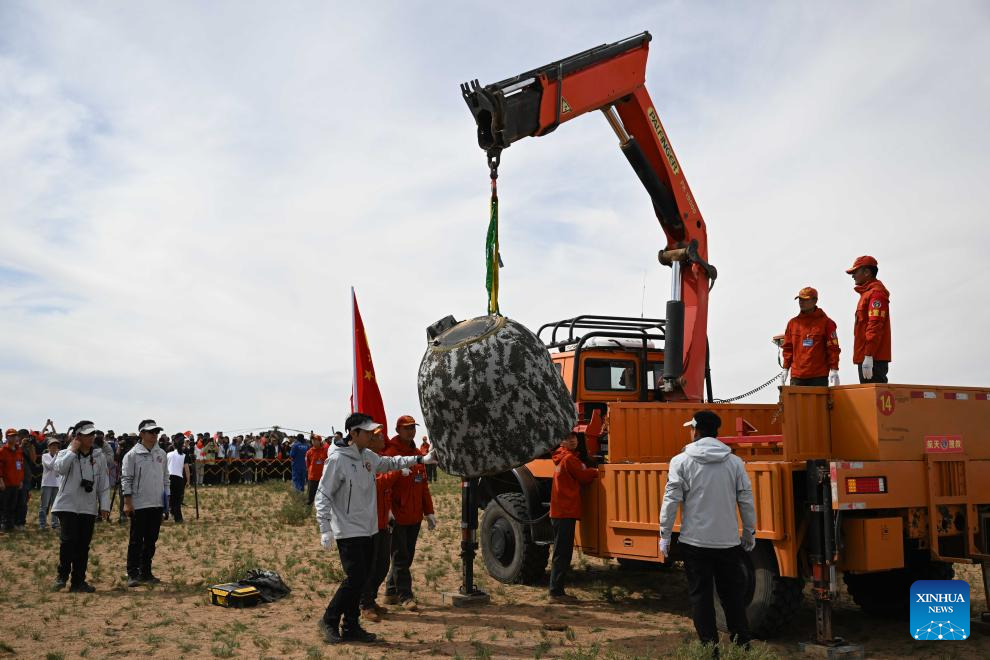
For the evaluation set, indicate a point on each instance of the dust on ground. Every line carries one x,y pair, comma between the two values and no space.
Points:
620,614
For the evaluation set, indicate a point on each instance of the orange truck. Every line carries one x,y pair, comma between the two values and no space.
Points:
886,484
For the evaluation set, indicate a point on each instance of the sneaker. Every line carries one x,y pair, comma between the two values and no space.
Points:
133,581
391,599
410,605
353,632
330,631
150,579
59,584
82,588
561,598
370,614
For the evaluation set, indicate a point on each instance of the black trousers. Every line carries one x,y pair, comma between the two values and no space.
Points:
177,490
311,494
355,559
75,531
145,525
431,472
563,550
22,500
879,372
8,506
399,582
380,561
722,567
820,381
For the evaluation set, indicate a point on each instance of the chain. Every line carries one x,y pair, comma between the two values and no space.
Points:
751,392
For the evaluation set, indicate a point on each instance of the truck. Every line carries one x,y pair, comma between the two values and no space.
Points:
884,484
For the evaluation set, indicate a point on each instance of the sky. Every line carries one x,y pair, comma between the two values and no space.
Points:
189,191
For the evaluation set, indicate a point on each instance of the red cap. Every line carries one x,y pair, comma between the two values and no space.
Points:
405,420
865,260
807,293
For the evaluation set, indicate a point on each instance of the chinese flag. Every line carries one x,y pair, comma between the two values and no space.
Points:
365,395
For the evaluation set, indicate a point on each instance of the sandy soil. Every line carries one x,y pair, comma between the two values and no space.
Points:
620,613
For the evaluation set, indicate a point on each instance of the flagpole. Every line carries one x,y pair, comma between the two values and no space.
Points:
354,354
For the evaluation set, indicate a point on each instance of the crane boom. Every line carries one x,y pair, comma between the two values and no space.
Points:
611,78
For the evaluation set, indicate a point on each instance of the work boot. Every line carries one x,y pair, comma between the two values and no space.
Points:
410,605
353,632
133,581
330,631
150,579
391,599
561,598
59,584
370,614
82,588
380,611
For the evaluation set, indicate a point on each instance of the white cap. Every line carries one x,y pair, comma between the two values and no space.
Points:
368,425
149,426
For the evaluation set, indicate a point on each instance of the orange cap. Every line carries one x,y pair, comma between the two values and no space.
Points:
405,420
865,260
11,432
807,293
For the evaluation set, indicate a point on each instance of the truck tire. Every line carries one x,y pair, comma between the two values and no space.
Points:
507,548
773,600
887,593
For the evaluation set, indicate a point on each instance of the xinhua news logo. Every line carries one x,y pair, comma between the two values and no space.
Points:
940,610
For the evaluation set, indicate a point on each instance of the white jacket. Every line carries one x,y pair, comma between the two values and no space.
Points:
144,476
709,482
71,496
346,498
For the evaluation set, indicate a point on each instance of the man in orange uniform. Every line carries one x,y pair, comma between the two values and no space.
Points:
316,456
565,509
871,347
411,502
382,540
13,471
811,345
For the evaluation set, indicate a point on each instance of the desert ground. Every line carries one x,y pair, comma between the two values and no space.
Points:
621,614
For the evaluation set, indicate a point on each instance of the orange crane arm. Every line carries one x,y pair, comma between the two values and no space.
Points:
611,78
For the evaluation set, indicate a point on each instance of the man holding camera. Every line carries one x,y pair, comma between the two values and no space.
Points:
83,493
144,477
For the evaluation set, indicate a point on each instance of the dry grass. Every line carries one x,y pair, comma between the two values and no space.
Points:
620,614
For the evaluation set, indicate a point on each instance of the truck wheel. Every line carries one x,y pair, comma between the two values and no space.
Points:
506,546
772,600
887,593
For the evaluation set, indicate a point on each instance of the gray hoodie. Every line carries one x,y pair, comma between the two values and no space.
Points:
71,496
709,482
144,476
346,499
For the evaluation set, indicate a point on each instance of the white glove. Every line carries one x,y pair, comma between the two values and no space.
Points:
429,458
833,378
405,472
431,521
748,540
326,540
785,380
391,518
664,546
868,367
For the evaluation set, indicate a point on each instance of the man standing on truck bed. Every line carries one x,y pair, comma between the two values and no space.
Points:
871,347
811,345
708,481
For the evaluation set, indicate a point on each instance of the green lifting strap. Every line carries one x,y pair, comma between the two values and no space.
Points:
492,259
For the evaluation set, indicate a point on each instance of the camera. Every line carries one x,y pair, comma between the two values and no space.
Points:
87,485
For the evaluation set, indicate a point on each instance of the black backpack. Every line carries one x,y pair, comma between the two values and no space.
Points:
269,583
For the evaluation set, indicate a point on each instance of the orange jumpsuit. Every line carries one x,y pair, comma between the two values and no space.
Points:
872,330
811,345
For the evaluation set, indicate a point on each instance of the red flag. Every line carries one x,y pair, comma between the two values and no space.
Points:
365,395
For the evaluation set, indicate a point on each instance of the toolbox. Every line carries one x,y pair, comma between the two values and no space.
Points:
234,595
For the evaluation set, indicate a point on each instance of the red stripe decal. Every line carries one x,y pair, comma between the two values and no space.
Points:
917,395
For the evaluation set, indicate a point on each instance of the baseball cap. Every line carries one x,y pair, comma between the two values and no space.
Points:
84,427
148,425
405,420
807,293
54,441
865,260
11,433
705,418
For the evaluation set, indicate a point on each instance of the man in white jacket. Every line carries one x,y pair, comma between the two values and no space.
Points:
709,483
143,479
347,509
83,492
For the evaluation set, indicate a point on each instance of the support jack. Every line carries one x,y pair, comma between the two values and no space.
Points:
468,595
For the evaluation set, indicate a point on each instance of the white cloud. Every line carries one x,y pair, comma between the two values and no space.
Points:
189,192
